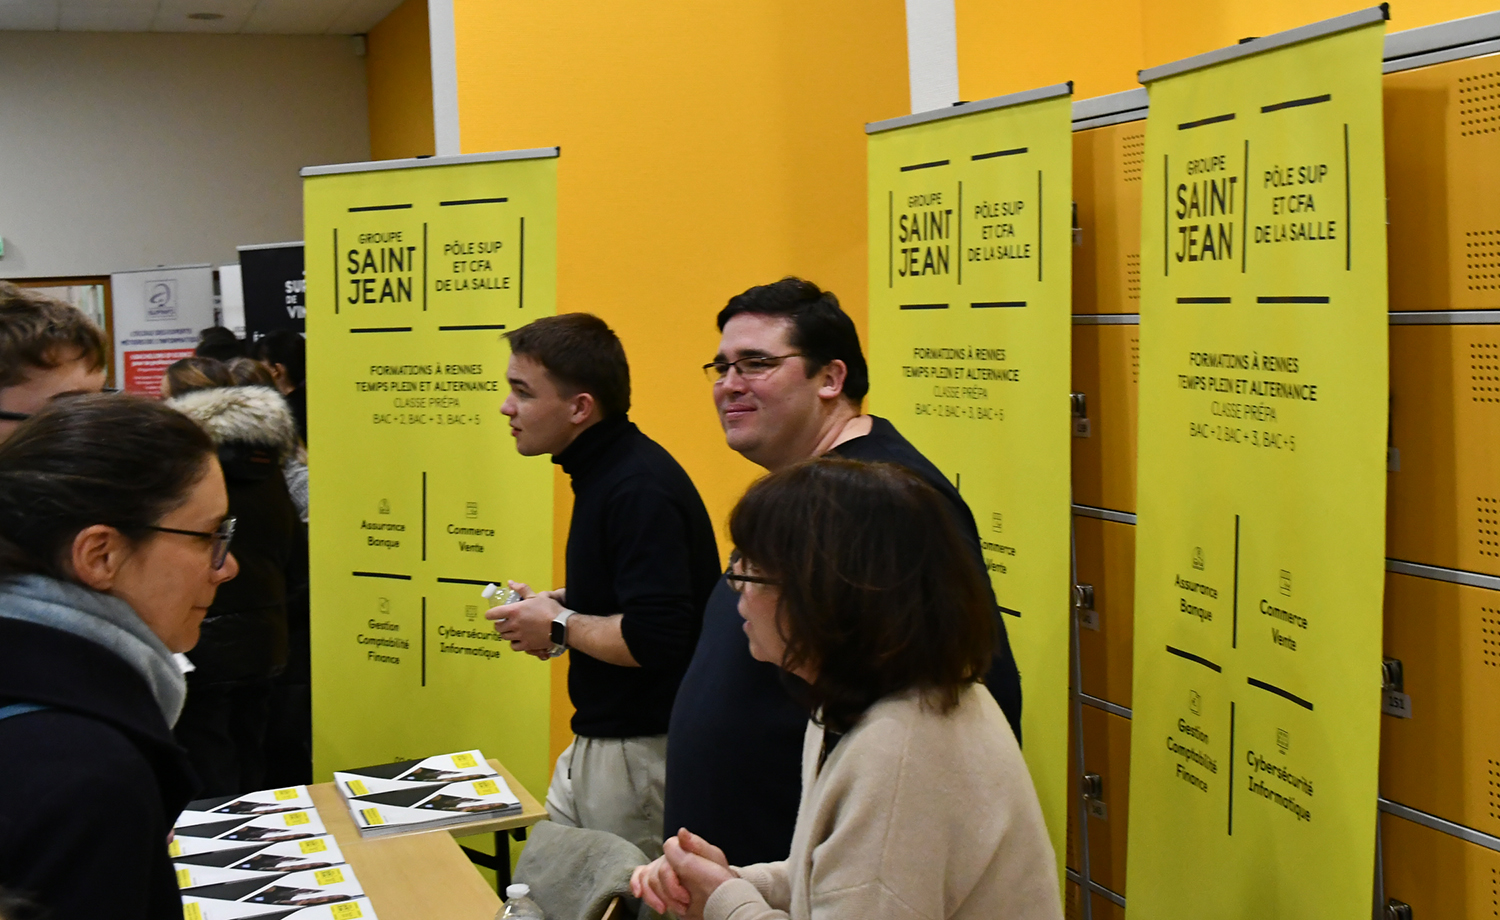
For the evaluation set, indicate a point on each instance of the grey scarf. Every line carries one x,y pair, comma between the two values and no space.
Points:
102,619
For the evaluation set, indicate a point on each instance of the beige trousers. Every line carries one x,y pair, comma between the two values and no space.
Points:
612,784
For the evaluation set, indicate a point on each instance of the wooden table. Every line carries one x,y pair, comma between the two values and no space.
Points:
426,874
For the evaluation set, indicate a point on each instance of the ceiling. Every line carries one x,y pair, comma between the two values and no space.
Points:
279,17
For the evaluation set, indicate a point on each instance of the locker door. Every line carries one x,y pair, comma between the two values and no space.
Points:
1443,499
1106,561
1106,752
1106,370
1440,876
1445,759
1442,141
1107,166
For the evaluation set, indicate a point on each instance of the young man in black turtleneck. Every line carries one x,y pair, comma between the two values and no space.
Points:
642,561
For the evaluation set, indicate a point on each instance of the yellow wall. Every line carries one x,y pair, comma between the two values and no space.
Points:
1100,44
398,73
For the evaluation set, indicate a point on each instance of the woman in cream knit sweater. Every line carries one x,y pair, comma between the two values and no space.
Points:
915,800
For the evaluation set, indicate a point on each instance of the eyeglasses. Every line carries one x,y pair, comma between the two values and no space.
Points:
751,368
737,580
219,539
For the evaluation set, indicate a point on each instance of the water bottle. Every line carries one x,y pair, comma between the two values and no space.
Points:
519,906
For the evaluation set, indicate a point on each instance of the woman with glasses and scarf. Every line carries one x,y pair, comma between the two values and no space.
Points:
915,800
114,539
245,638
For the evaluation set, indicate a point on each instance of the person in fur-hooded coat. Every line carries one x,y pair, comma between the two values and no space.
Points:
244,638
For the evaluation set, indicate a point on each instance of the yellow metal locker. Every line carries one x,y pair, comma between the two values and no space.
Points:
1443,492
1445,759
1107,165
1072,902
1106,371
1441,877
1106,754
1442,131
1105,553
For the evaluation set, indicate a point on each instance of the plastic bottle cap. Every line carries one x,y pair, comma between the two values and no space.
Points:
517,891
489,591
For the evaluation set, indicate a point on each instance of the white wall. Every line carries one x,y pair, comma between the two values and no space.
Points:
121,150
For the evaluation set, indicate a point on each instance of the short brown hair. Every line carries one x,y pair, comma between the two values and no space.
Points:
196,373
879,591
581,354
41,332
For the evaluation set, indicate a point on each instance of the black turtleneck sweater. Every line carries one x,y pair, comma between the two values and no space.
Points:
641,544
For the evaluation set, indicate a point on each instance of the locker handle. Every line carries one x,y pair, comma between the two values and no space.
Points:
1093,786
1083,597
1391,676
1080,405
1397,910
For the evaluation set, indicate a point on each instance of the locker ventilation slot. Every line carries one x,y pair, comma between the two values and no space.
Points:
1132,276
1489,618
1132,156
1482,258
1484,369
1135,359
1479,104
1488,516
1495,789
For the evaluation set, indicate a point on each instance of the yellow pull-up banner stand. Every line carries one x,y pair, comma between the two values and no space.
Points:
970,286
415,268
1260,542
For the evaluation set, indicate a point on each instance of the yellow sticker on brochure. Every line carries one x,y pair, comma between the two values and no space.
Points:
358,787
464,761
316,845
329,876
174,849
486,787
372,816
346,911
184,878
192,911
296,817
283,795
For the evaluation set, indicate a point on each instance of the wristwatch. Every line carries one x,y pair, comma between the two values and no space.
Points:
560,633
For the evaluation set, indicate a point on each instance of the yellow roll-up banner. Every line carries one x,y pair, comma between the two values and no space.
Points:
1260,536
970,285
414,270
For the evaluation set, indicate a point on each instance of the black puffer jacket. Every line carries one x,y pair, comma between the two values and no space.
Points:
245,634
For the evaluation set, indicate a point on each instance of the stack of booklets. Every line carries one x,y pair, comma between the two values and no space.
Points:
421,795
264,855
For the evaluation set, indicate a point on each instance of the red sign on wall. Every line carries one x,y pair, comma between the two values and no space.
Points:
144,369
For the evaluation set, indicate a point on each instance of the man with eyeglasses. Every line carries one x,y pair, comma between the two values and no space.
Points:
47,349
788,381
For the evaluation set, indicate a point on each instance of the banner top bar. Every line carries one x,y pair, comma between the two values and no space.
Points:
534,153
970,108
287,245
1343,23
1113,104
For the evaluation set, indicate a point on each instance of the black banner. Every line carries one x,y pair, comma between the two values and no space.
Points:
275,292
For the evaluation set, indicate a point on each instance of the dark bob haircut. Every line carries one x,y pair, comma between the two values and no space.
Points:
821,330
108,459
879,591
581,354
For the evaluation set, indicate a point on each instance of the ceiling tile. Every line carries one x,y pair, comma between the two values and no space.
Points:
360,16
172,15
28,15
292,17
99,18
